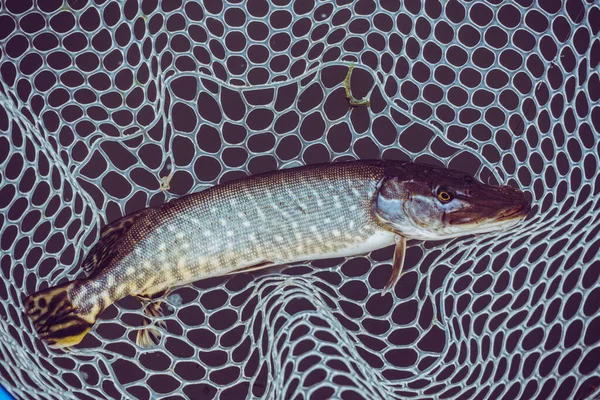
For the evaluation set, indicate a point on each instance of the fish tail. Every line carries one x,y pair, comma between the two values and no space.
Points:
57,321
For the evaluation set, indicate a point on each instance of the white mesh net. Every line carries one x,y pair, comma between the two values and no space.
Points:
110,106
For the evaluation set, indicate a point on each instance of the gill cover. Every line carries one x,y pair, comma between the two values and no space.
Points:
388,204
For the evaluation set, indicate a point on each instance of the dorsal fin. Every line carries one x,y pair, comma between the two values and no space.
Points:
110,235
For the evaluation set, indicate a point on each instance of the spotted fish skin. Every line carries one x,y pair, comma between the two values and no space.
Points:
276,218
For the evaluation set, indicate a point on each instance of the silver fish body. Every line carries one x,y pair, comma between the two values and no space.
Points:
276,218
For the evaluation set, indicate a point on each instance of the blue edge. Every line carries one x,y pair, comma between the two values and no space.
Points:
4,395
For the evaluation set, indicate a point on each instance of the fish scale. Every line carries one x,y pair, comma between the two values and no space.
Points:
276,218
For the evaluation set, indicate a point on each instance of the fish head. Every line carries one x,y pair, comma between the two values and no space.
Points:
430,203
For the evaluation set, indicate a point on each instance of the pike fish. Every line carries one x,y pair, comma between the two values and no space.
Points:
312,212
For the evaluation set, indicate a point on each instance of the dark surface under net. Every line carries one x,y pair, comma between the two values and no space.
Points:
107,107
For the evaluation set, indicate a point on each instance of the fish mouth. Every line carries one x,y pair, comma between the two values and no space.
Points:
517,212
483,216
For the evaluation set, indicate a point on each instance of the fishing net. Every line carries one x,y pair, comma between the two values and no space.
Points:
110,106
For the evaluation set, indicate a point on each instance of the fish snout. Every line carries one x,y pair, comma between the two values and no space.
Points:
520,210
517,204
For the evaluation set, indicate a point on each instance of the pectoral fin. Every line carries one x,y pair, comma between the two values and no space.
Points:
397,263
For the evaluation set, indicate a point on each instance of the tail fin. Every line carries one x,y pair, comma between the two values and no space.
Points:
57,321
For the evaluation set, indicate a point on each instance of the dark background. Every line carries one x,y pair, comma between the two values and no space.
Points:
115,96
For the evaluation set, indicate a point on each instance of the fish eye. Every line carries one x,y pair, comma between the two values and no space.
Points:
444,196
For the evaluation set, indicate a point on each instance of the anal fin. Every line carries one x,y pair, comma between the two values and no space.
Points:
149,335
397,263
